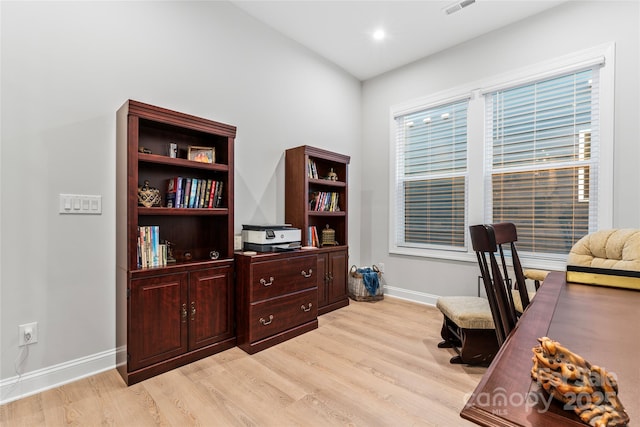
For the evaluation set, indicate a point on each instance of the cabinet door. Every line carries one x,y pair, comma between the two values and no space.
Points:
210,306
323,279
158,319
337,289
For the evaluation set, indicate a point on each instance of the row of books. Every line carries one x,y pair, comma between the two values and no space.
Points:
324,201
151,253
194,193
312,170
312,237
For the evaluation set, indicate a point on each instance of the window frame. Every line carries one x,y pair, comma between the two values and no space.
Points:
475,204
431,176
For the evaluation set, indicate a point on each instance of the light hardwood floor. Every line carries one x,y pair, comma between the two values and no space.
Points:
368,364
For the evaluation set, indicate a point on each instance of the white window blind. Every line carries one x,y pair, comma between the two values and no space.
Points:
542,160
431,180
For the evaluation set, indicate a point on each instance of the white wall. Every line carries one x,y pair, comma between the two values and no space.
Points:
571,27
66,68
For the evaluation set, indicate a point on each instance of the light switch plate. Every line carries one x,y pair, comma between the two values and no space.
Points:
80,204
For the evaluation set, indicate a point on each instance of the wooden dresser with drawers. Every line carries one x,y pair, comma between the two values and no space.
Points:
276,297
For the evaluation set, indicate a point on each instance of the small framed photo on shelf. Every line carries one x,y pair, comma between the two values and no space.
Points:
201,154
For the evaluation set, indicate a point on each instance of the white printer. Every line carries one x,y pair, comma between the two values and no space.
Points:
270,238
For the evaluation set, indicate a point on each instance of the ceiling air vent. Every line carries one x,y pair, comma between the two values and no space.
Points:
458,6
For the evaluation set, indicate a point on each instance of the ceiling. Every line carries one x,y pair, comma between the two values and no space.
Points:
341,31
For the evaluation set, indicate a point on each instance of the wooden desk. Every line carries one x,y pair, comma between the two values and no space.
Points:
599,323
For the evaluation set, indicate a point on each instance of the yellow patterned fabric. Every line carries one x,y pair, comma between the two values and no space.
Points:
617,249
467,312
533,274
517,302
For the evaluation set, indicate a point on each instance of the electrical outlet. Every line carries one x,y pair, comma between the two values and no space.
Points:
28,334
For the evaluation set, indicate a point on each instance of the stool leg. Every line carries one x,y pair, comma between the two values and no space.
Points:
450,339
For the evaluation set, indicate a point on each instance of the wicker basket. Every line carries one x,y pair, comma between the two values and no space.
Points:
358,292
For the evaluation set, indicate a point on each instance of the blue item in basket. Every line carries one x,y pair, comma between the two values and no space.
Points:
369,279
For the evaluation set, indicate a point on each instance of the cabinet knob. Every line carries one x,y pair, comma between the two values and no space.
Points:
193,310
330,276
184,313
305,274
264,283
266,322
306,309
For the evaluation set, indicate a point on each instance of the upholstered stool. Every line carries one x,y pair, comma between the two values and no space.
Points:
537,276
517,302
468,328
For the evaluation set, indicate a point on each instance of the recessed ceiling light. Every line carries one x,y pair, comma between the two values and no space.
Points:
379,35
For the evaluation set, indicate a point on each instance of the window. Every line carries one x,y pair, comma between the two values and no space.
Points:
533,146
542,156
431,170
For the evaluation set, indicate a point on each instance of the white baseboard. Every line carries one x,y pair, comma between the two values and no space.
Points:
53,376
415,296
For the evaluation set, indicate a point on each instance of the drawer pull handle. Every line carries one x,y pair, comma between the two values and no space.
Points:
193,310
264,283
305,274
306,309
266,322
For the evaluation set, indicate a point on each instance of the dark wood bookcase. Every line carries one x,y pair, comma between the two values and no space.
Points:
302,165
171,315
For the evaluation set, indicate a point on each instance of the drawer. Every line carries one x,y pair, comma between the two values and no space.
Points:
279,314
278,277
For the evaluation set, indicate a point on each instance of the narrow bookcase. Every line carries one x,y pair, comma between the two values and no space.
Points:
178,310
316,189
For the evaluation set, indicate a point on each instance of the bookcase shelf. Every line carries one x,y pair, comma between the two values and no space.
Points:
326,183
183,211
327,213
170,315
184,163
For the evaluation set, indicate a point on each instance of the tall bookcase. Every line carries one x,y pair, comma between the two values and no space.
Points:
173,314
311,176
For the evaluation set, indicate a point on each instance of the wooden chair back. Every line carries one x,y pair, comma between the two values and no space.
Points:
487,241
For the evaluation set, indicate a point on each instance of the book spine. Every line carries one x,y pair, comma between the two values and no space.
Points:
212,195
196,202
187,191
155,242
203,194
192,193
139,248
207,194
179,192
218,202
144,237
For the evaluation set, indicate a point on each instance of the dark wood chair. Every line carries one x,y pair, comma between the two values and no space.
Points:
476,327
506,302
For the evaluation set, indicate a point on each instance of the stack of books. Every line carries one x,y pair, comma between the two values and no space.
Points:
151,253
194,193
312,170
312,237
324,201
